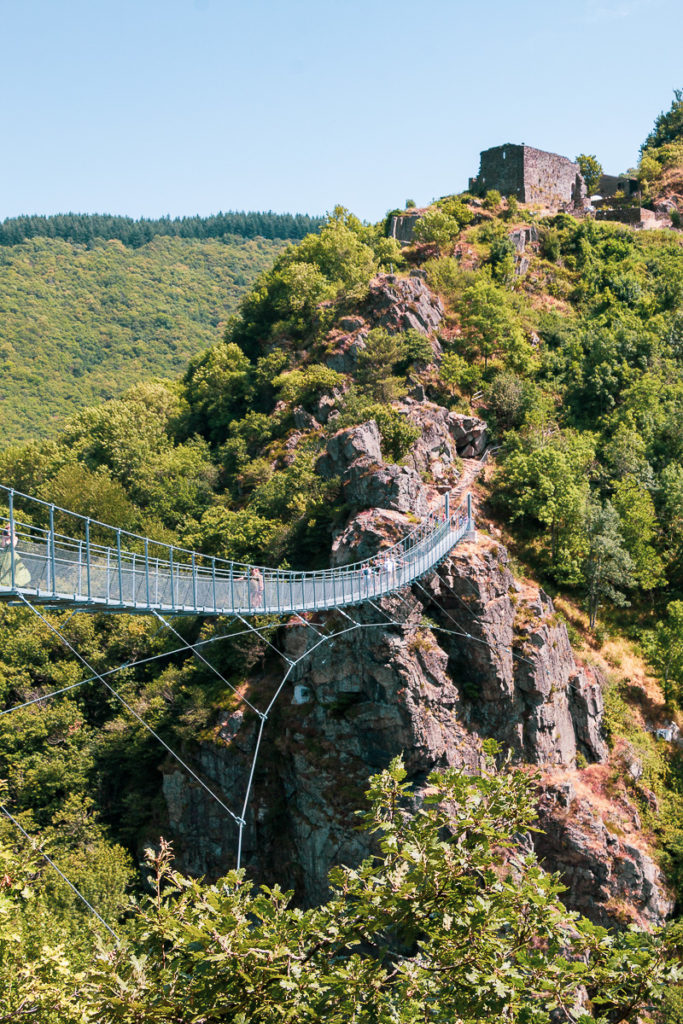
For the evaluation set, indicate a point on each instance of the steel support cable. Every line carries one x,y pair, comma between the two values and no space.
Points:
455,595
309,624
129,664
253,629
132,710
205,661
59,871
468,636
378,608
264,715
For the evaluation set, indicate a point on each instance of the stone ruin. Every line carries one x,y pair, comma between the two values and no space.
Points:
531,175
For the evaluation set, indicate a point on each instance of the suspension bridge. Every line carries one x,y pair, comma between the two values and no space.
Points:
62,559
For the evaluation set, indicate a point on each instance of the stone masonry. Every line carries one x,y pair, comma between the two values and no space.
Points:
532,175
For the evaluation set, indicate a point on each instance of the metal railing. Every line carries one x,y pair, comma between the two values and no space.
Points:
75,566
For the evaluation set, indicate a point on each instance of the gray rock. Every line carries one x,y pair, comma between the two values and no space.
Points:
402,303
532,695
345,348
303,420
388,486
435,451
326,405
470,434
402,226
344,447
351,323
608,878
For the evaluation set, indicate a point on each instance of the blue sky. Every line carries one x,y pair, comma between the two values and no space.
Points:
148,108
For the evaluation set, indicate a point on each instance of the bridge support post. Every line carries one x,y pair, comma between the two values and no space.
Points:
447,506
53,560
11,534
471,530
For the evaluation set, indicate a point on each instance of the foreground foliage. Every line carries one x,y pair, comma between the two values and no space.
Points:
451,922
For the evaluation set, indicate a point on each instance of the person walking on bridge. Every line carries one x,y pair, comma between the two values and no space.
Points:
256,583
22,576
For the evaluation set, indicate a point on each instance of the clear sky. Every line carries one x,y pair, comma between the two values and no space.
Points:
153,107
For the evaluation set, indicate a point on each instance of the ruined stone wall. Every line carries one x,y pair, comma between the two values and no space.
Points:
532,175
549,179
402,225
502,168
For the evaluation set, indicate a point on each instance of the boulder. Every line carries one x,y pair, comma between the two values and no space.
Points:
666,206
365,533
343,349
400,303
303,420
470,434
326,406
399,488
344,447
435,451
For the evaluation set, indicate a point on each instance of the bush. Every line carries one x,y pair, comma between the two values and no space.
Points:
550,244
436,227
492,199
398,434
304,387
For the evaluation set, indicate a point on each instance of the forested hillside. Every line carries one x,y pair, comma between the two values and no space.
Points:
79,324
86,228
566,336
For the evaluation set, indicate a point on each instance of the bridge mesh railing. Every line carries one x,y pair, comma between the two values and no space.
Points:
63,557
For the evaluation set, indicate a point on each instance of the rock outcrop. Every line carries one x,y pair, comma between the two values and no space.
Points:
398,488
466,654
609,876
391,685
355,455
344,447
516,660
401,303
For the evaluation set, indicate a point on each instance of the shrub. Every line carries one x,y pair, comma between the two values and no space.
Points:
492,199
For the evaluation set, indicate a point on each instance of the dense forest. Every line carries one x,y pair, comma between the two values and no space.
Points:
88,228
79,324
576,361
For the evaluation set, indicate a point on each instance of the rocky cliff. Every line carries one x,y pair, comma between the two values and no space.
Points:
409,680
465,654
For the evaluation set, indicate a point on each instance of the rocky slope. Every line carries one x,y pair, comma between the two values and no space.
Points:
468,653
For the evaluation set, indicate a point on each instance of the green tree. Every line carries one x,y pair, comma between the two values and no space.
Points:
638,527
447,922
668,125
550,484
305,386
437,228
376,365
457,372
608,567
664,649
591,169
492,199
491,324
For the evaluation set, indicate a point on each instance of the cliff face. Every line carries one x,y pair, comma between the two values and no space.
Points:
406,681
465,654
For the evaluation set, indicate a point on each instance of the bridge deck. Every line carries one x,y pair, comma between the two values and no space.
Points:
49,567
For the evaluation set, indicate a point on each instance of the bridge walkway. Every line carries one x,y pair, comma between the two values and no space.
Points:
68,562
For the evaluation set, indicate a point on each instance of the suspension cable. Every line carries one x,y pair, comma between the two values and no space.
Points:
132,710
36,846
205,661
